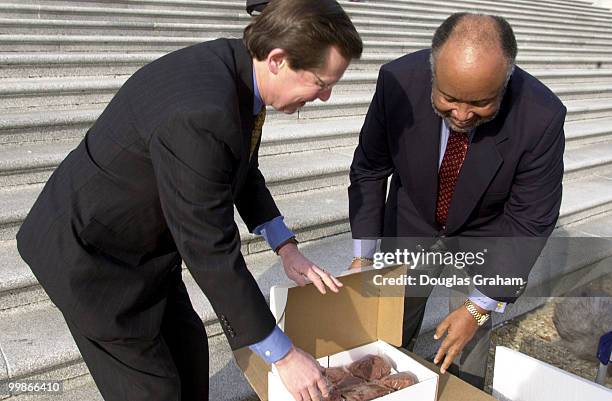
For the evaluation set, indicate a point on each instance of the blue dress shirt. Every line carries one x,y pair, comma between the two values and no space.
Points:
274,347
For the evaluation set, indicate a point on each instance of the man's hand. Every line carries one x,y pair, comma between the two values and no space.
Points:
299,269
460,327
303,376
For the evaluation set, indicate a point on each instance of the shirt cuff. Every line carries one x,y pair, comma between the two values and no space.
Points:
364,248
485,302
274,347
275,232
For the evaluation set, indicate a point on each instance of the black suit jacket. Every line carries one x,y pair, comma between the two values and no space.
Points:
509,185
155,180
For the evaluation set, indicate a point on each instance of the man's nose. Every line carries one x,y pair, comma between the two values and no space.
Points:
325,95
462,113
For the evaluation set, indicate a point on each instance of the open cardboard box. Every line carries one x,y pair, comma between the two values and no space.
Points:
339,328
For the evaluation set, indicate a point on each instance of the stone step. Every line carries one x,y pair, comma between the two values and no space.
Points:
287,171
522,29
585,5
586,132
51,349
584,199
587,8
229,23
588,160
36,94
376,42
113,64
59,124
369,29
597,18
186,10
515,19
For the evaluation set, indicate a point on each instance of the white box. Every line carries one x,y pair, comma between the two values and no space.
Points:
425,390
519,377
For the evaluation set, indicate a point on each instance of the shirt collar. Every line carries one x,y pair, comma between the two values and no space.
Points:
257,102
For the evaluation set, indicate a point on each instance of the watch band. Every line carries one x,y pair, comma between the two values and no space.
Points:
481,318
291,240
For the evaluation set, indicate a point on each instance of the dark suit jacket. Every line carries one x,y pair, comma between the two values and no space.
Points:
510,182
155,180
257,5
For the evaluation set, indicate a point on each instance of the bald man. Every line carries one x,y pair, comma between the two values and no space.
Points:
474,147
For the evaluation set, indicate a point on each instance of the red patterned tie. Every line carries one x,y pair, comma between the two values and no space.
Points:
454,156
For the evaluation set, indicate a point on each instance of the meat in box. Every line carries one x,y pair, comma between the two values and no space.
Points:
338,329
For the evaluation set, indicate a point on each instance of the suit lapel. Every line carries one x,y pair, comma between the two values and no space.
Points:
423,142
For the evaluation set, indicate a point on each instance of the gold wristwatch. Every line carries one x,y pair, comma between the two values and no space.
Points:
480,318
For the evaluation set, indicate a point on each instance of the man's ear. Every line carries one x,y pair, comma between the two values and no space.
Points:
276,60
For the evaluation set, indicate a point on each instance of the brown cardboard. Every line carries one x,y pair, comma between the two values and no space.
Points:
326,324
450,387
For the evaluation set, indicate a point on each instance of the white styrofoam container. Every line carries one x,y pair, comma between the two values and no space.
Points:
425,390
519,377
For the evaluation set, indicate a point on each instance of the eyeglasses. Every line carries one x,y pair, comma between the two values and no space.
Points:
322,84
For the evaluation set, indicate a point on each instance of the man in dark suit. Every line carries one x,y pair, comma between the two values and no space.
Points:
255,7
154,183
474,147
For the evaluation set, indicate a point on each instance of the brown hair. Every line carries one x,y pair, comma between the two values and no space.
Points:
305,29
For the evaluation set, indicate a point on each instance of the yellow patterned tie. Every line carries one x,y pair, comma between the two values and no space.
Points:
256,134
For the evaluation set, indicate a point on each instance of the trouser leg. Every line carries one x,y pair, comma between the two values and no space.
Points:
171,367
186,338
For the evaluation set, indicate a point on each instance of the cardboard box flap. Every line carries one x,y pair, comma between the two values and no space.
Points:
327,324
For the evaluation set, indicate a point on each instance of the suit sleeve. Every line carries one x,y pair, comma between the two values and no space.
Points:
254,201
371,167
531,212
194,171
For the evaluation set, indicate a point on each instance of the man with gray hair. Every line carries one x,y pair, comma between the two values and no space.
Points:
474,147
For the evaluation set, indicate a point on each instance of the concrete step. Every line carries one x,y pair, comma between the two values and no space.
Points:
40,94
543,5
588,160
438,16
50,347
186,10
521,29
287,171
70,122
510,11
376,42
563,76
112,64
587,109
584,199
586,132
66,23
369,30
